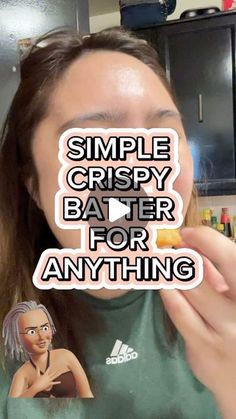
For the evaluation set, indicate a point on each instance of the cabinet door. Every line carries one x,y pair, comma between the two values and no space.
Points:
201,72
26,19
200,61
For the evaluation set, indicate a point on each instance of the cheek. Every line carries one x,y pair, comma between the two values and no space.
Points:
48,168
48,186
184,182
66,238
45,155
27,343
48,335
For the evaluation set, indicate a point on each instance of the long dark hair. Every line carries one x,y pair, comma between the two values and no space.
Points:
24,232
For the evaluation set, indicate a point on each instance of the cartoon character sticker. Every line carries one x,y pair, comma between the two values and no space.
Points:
28,331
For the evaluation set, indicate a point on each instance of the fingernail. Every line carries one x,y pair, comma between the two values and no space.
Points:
222,287
186,230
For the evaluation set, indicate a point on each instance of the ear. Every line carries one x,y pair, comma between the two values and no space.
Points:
34,195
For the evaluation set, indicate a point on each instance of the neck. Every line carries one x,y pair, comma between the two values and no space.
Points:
39,358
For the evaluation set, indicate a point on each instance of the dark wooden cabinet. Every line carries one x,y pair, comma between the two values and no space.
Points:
200,61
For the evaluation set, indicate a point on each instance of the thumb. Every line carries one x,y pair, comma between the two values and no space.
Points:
37,371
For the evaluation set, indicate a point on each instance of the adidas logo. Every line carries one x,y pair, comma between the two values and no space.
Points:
121,353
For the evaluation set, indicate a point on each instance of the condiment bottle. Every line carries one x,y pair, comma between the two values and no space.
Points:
225,219
234,227
220,228
214,221
207,217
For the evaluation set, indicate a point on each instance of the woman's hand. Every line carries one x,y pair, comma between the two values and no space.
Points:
19,387
46,381
206,316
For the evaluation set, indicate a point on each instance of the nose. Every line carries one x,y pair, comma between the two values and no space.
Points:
40,334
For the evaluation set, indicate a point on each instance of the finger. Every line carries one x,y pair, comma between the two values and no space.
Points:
38,371
211,274
216,309
217,248
188,322
53,383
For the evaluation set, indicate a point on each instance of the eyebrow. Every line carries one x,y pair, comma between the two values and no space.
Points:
164,113
35,327
115,117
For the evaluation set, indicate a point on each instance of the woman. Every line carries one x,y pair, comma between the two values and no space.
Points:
29,328
113,80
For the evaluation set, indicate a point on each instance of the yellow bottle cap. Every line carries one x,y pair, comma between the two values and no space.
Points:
220,227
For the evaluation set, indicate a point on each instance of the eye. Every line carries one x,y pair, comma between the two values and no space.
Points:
31,332
45,328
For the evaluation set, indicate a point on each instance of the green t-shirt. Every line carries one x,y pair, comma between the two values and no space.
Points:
134,373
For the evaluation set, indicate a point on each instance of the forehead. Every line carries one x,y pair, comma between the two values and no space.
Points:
108,79
33,318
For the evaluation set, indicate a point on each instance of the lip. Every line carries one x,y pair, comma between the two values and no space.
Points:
42,344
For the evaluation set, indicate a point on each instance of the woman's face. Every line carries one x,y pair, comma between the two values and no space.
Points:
103,90
35,331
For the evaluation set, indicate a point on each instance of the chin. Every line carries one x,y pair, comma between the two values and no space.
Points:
40,350
106,294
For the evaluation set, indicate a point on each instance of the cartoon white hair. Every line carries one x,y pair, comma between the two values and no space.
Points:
10,330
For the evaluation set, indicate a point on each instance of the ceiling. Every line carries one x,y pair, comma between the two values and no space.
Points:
100,7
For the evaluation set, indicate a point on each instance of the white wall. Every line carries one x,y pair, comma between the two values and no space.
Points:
193,4
100,22
112,19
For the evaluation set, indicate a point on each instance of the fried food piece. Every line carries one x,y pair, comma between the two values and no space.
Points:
168,238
